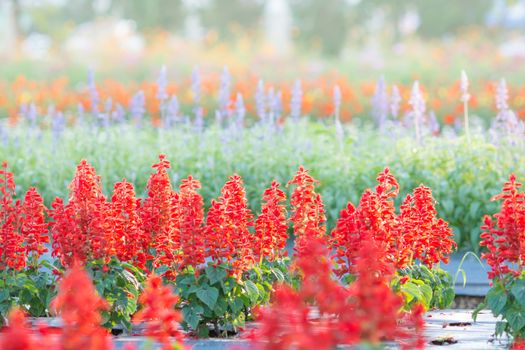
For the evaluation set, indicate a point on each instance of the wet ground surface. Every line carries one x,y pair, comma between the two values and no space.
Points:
450,329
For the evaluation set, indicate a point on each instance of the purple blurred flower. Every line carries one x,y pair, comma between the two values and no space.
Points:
395,102
94,97
502,96
296,101
380,103
196,86
224,91
463,86
172,112
137,107
240,111
80,115
162,84
260,101
417,103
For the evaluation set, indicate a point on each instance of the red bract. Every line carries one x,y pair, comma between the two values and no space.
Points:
157,206
158,311
227,227
191,223
12,251
424,236
79,227
504,234
79,306
379,320
128,238
290,322
344,315
167,240
18,336
34,227
308,214
374,218
416,233
271,225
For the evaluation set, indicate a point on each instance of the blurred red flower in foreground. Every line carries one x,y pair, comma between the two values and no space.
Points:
162,320
79,306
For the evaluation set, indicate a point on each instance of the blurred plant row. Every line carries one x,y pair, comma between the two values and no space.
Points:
151,100
230,266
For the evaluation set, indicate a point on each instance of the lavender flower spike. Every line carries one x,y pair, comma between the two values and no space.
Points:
260,101
162,85
93,93
224,91
380,103
465,97
296,101
395,102
418,109
502,96
196,86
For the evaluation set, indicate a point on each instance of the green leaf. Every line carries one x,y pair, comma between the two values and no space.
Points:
516,318
208,296
215,274
412,290
500,328
496,300
518,290
192,315
251,290
236,305
426,292
279,276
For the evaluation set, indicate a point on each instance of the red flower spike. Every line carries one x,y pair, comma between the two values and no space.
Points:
308,216
128,239
228,238
34,227
79,228
425,237
191,223
158,311
12,251
17,336
504,234
79,306
157,206
271,225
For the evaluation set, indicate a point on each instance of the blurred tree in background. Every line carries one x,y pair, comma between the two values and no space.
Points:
320,24
226,16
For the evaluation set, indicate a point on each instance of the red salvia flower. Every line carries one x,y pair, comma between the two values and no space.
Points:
128,238
504,234
167,240
425,237
344,315
271,225
34,228
79,228
308,216
191,223
374,218
158,311
79,306
12,251
416,233
18,336
157,207
227,227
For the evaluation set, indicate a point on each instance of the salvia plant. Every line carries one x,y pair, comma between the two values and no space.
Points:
504,238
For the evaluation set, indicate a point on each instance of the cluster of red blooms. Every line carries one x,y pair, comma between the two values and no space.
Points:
168,228
323,314
504,234
414,233
23,229
308,216
159,312
79,306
